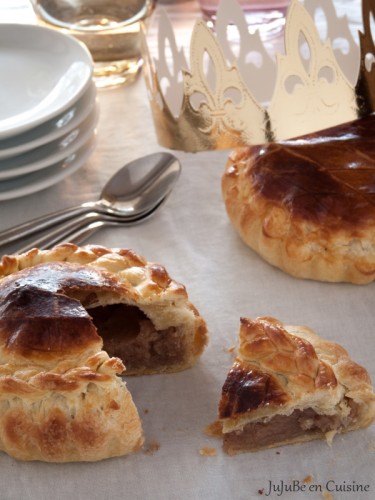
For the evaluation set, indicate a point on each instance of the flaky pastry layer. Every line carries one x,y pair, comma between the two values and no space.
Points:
288,385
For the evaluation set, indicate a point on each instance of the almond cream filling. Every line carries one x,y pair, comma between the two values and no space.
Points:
301,425
129,334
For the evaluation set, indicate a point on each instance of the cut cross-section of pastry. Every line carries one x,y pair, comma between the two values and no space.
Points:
288,385
61,311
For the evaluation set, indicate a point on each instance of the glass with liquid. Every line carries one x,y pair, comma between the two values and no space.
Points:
111,30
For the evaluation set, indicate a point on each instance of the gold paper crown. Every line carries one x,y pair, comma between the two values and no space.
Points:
216,104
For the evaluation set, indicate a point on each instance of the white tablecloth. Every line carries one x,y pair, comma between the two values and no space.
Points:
191,235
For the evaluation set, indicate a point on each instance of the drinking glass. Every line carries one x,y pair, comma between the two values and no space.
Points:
111,29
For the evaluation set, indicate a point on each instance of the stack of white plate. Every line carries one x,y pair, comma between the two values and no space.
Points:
48,108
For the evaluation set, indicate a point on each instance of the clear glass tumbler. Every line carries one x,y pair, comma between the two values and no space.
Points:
111,30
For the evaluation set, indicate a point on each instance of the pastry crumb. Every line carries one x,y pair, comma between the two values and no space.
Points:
230,349
214,429
308,479
146,410
261,492
327,495
151,448
208,452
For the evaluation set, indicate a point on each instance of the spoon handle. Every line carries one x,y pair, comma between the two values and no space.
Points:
61,233
80,234
44,222
80,229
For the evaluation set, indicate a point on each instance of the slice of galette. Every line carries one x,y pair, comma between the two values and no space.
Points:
288,385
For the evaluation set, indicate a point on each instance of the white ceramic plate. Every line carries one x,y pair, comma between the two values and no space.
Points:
52,129
43,72
50,153
37,181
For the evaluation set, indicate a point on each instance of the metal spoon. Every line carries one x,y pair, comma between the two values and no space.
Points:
80,228
134,190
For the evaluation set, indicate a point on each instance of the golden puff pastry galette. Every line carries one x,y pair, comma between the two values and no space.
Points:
287,386
307,205
61,312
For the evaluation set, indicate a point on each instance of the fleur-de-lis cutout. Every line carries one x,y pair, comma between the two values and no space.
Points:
322,96
226,113
169,65
256,66
345,48
366,81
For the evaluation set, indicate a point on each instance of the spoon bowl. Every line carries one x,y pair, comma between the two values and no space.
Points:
133,191
136,189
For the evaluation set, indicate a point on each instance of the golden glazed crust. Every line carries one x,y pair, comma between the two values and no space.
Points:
288,373
307,206
91,277
60,396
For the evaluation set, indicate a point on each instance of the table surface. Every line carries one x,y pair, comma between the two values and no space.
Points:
193,238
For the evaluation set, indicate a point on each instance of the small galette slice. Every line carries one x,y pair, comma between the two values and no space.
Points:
287,385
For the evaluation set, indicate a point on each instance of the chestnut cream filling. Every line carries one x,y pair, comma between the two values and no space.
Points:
301,425
130,335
